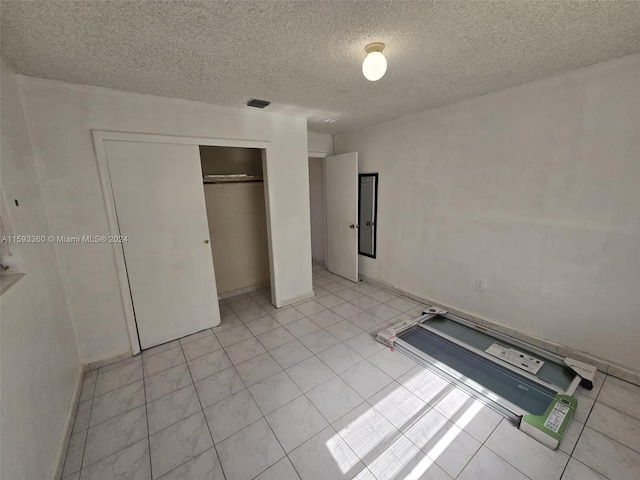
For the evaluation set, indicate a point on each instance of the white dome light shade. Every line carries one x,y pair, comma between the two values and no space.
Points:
375,64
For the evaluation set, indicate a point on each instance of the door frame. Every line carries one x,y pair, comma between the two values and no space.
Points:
99,137
322,155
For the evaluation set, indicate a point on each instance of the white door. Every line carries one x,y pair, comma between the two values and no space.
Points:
159,199
341,187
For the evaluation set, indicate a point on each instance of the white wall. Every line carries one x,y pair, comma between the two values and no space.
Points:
238,232
39,365
61,116
318,215
536,190
319,144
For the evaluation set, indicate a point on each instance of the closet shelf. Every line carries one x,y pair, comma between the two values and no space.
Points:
232,178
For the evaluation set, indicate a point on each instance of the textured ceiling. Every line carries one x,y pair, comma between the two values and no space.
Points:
305,57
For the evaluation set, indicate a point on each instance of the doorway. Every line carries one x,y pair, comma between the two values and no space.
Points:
235,203
318,213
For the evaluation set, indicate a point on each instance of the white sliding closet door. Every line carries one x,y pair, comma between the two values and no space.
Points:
159,199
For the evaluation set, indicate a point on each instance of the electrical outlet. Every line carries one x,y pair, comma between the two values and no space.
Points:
480,284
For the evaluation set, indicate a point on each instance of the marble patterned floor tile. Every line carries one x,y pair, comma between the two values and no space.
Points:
366,432
579,471
606,456
208,365
321,282
365,344
160,348
75,450
166,382
402,304
330,300
281,470
585,404
471,415
112,435
325,456
344,330
245,350
196,336
251,314
302,327
287,315
526,454
334,287
334,398
616,396
117,401
383,296
274,391
231,415
365,288
365,320
239,304
616,425
258,368
402,460
310,373
398,405
249,452
172,408
348,294
310,307
205,466
81,421
88,386
262,325
319,341
384,312
571,437
179,443
275,338
227,322
365,302
121,363
486,464
447,445
290,353
163,361
118,377
219,386
423,383
234,335
296,422
366,379
346,310
130,463
340,357
325,318
201,346
393,363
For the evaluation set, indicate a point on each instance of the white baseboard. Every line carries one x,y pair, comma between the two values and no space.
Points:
299,298
606,366
63,444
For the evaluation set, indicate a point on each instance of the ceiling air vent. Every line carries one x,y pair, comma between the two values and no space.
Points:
254,102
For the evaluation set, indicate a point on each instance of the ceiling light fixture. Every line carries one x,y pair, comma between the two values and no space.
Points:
375,64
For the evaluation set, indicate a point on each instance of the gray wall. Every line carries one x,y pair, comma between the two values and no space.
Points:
534,189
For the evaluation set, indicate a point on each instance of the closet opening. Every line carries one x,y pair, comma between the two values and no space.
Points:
235,202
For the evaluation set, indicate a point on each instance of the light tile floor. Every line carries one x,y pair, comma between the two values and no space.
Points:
306,392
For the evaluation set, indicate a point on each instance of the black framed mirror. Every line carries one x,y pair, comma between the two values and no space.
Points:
367,213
